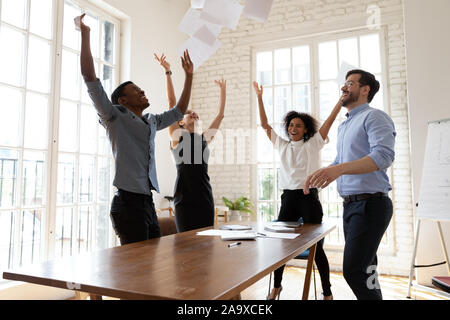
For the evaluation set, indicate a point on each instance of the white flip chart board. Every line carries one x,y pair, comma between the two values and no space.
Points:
434,196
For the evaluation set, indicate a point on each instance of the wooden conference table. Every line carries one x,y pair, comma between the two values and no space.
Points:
182,266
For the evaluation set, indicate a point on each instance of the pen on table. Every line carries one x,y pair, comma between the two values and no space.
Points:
262,234
234,244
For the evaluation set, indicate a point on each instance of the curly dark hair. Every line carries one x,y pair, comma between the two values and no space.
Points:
311,124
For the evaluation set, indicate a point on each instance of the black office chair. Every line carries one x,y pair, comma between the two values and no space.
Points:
302,256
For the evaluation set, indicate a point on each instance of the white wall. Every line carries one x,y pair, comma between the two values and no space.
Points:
428,68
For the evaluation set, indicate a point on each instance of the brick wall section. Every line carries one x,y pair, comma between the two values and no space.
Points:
233,61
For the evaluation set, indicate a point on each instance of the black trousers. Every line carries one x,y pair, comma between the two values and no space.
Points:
365,223
133,217
296,205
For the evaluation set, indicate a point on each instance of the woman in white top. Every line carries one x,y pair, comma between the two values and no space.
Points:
299,156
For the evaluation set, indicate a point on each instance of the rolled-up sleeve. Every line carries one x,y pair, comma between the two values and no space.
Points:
167,118
381,134
101,101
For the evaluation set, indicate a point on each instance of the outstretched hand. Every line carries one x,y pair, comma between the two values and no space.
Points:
187,64
222,84
162,61
258,89
79,24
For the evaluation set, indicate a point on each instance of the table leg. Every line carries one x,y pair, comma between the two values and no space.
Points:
238,297
312,254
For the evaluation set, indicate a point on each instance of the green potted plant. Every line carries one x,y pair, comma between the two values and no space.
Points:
241,207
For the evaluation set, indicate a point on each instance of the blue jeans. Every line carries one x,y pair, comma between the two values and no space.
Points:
365,223
133,217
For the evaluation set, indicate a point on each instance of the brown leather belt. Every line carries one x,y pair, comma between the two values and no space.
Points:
364,196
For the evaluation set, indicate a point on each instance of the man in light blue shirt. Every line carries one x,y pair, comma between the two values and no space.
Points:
365,150
132,138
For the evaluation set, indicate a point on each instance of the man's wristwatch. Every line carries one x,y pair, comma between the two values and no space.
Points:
169,73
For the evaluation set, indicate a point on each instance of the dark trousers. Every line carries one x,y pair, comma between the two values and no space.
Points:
365,223
133,217
296,205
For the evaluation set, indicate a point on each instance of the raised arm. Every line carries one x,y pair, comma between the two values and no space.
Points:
326,126
262,113
188,67
215,124
169,84
87,62
170,92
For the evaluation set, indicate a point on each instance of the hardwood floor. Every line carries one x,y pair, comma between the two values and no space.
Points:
393,287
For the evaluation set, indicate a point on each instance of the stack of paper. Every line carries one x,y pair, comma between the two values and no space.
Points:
235,227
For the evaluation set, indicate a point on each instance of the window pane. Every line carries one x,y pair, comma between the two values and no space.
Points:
282,103
11,60
328,60
36,121
265,149
7,227
378,100
14,12
103,234
71,36
265,210
8,177
33,179
68,122
370,53
348,52
282,66
104,147
41,18
108,79
301,61
266,184
10,116
329,95
64,231
87,167
88,129
38,77
70,76
268,105
104,179
264,67
66,179
302,98
92,21
30,241
108,42
84,237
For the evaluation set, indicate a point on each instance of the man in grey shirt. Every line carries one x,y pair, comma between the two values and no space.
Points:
132,136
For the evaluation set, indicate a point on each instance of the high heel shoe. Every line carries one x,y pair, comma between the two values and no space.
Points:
330,297
275,294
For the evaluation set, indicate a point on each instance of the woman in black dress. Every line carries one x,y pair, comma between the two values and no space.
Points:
194,203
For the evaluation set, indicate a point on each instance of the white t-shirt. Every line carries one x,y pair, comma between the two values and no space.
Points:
298,160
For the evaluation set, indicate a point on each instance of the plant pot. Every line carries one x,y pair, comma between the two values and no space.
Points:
235,215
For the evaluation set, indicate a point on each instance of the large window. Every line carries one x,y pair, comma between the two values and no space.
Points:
55,161
305,77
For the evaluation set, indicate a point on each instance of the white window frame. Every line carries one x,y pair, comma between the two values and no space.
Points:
313,43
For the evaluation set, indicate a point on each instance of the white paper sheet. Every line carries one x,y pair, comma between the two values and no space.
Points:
198,51
258,10
205,35
192,22
281,235
223,12
197,4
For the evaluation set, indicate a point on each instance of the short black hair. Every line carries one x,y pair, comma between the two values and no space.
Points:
311,124
119,92
367,79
